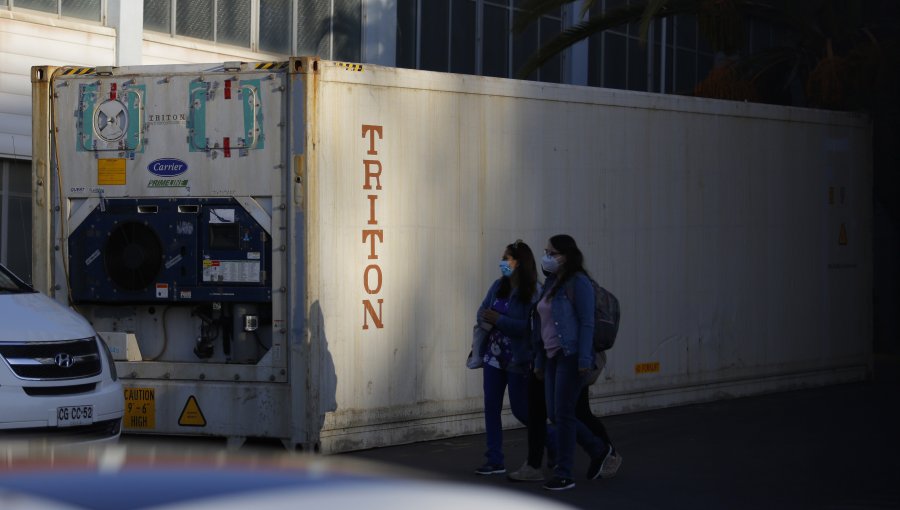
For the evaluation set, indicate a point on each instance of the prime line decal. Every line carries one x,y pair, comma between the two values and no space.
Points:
167,183
372,276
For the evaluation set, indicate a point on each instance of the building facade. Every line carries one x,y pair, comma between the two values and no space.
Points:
459,36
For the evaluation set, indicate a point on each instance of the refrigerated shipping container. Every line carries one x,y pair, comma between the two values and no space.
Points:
296,250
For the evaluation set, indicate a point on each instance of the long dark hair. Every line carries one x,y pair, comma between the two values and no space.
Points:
526,272
574,263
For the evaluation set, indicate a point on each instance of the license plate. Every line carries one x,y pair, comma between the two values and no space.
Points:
71,416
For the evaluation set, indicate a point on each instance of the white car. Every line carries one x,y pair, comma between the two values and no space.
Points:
57,378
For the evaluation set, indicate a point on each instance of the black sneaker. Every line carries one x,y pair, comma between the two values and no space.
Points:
594,469
559,484
490,469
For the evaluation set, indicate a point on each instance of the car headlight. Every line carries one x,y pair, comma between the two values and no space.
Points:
109,359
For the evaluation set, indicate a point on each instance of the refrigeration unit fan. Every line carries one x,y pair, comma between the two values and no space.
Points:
133,256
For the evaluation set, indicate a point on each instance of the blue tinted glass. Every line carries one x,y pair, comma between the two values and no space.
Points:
157,15
38,5
84,9
194,18
275,26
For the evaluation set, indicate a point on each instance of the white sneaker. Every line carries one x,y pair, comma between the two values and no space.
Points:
610,465
526,473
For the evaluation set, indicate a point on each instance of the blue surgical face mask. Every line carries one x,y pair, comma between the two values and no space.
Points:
505,269
549,264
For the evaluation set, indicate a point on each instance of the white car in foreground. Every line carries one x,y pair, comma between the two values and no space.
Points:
57,378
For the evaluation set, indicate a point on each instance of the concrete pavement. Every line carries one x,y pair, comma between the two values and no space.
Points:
835,447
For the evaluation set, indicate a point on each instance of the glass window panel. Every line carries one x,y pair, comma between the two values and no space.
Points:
595,60
18,254
406,34
495,42
38,5
614,52
462,33
347,28
435,27
615,4
194,18
637,65
157,14
551,71
20,178
657,58
685,71
313,28
703,45
524,46
275,26
504,3
83,9
760,36
686,31
3,242
233,22
704,66
670,70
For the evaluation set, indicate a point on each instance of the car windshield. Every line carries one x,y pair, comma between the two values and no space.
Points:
10,284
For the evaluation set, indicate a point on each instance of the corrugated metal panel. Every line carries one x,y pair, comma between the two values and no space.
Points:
735,236
710,220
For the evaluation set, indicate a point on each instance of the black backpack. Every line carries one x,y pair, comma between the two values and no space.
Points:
606,316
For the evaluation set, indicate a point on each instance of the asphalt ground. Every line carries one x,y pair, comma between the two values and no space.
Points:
834,447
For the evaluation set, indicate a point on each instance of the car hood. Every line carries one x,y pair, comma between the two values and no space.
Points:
36,317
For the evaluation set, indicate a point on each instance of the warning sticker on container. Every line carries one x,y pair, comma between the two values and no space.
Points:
647,368
140,408
111,172
191,415
235,271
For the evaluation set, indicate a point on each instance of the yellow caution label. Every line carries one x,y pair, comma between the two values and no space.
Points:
264,66
647,368
140,408
80,71
111,172
191,415
842,236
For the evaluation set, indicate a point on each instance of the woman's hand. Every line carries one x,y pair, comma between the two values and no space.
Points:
539,374
490,316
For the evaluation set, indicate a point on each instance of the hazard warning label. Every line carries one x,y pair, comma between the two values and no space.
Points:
191,415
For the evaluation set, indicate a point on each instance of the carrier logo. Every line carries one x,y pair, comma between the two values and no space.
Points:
167,167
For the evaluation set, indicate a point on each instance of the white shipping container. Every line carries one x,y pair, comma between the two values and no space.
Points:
324,233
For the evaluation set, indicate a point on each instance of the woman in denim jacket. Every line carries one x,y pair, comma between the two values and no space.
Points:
562,336
507,354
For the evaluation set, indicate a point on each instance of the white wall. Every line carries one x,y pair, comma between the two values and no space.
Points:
28,40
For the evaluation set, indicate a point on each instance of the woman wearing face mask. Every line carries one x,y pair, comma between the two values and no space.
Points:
563,333
508,356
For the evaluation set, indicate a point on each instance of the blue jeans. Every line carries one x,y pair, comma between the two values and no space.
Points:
562,384
495,384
